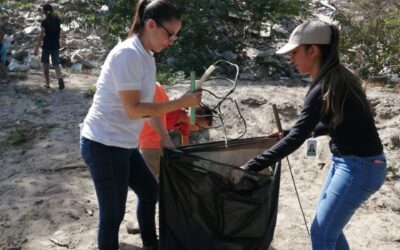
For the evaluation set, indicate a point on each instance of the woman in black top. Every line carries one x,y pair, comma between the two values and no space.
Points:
50,35
336,105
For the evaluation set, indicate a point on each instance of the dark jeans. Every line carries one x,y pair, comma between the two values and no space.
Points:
113,169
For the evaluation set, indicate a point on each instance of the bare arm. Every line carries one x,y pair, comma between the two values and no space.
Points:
135,109
39,42
158,126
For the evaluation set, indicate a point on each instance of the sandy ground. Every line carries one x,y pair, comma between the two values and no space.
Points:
48,200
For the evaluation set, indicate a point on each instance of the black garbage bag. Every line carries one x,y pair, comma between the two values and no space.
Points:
207,202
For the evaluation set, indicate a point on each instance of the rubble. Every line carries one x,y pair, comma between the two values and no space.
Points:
22,27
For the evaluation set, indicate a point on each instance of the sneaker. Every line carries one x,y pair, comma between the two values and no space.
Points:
61,85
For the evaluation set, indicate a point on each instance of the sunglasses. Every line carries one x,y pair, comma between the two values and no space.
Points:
170,35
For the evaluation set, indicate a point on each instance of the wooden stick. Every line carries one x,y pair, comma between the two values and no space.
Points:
277,120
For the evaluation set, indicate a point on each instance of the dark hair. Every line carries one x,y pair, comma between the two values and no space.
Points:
338,82
50,17
159,10
47,8
205,113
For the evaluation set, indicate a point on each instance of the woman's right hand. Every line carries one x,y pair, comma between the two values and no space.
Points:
275,134
191,99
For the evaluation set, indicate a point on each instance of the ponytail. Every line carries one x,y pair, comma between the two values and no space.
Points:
138,21
159,10
338,83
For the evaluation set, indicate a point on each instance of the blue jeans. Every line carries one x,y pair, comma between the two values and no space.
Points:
113,169
350,181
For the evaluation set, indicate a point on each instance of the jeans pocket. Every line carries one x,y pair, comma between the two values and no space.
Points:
97,158
375,176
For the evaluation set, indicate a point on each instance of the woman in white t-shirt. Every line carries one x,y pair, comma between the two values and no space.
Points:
109,137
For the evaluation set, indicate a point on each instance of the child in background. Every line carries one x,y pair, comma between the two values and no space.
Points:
179,120
3,53
50,35
150,140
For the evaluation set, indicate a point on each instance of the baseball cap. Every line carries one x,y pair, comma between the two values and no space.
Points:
312,32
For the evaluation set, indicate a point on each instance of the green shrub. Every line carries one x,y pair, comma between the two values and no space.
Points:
208,26
20,5
20,75
18,136
39,102
167,77
370,32
89,93
15,138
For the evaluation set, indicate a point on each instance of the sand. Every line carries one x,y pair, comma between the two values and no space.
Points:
47,196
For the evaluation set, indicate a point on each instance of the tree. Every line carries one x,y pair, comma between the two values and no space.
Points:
208,26
370,33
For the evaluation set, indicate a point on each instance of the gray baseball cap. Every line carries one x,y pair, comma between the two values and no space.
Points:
313,32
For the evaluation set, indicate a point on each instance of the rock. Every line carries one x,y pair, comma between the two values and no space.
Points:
246,76
20,54
252,53
262,71
76,68
16,66
280,29
65,61
34,62
254,102
378,79
32,30
394,79
230,56
276,76
78,58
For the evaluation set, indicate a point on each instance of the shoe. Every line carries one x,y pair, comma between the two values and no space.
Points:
61,85
155,246
46,86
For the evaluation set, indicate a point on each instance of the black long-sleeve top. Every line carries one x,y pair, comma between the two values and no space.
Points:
355,135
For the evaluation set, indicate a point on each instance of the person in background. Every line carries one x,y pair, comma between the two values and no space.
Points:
110,133
150,141
179,120
3,59
335,104
50,36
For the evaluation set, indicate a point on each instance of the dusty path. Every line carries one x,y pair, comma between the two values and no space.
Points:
48,200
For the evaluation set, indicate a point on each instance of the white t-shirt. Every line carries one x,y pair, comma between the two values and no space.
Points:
127,67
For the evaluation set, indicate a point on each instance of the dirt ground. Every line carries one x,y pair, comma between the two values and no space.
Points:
48,200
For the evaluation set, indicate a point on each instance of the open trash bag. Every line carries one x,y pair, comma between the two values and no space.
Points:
208,202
